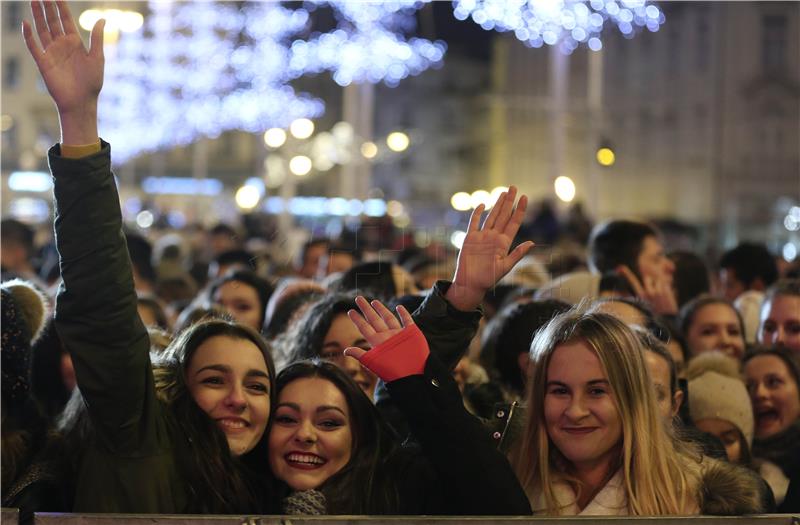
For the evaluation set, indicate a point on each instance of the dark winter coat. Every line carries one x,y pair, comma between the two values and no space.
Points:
130,466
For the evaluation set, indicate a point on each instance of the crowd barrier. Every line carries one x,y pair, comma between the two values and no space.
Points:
9,517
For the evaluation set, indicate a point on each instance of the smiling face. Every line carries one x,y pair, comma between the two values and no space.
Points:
229,380
242,302
780,323
715,326
311,437
579,409
774,394
342,334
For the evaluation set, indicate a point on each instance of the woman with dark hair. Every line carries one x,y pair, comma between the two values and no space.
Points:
329,444
324,331
288,302
780,316
244,294
189,451
691,277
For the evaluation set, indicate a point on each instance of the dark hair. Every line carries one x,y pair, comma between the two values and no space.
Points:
223,229
618,242
750,261
154,305
303,340
309,245
262,287
364,485
47,384
510,333
782,353
286,308
375,279
15,231
650,343
195,313
219,483
230,257
690,309
615,283
691,276
141,253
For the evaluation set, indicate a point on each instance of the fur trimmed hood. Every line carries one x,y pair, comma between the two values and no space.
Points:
733,490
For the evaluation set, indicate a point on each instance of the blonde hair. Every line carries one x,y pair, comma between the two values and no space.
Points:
658,473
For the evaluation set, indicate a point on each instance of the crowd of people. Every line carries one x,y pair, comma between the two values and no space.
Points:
638,384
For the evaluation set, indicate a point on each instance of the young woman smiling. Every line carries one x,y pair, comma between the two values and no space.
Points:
711,323
195,448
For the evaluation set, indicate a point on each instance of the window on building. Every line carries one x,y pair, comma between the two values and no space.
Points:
773,40
10,72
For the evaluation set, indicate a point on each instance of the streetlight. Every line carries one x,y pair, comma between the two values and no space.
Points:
606,156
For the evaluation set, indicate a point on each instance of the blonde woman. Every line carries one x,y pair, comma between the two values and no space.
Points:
594,443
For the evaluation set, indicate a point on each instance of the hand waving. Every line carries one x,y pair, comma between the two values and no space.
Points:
376,323
73,76
484,258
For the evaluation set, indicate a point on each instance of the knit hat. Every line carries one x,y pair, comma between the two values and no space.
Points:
716,390
23,318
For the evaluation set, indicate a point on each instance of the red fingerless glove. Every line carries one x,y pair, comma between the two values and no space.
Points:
403,355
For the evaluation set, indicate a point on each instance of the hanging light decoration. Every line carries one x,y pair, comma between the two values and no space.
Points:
566,23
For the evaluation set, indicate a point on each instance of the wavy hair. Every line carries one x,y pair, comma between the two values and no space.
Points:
656,479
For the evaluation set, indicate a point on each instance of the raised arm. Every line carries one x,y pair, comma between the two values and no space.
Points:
474,476
73,75
96,315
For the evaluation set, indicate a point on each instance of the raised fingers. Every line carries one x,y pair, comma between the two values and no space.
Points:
30,41
371,315
512,226
363,326
386,314
506,209
66,17
405,317
492,217
53,20
40,24
475,219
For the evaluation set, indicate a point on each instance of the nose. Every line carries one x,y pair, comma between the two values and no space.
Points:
235,398
577,409
306,433
779,337
760,391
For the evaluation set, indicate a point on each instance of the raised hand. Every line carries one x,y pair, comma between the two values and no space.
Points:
484,258
658,293
73,75
376,323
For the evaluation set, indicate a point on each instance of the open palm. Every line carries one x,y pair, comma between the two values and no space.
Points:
73,75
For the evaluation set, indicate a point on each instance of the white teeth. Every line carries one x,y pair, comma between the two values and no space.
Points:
305,458
231,423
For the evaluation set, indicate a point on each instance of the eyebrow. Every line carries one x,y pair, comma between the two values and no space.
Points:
226,369
335,344
323,408
592,382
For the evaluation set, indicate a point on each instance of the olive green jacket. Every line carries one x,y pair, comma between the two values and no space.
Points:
130,465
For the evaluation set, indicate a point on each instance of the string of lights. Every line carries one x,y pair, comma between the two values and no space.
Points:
566,23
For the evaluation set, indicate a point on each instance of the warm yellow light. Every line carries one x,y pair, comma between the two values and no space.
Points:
274,137
494,195
395,209
479,197
398,141
116,20
369,150
301,128
565,189
461,201
6,122
247,197
606,157
300,165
